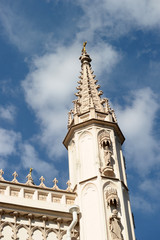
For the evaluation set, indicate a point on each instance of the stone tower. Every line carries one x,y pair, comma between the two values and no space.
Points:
96,163
97,180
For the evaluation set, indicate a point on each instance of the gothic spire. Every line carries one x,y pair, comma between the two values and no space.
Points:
89,95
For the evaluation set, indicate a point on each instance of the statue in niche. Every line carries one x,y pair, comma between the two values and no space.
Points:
107,153
105,143
115,226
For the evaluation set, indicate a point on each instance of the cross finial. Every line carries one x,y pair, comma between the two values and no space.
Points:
69,189
55,181
30,171
1,173
15,175
42,179
84,47
29,177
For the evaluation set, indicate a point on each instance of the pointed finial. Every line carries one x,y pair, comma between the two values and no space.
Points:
15,175
42,179
114,115
91,103
107,106
29,177
75,106
55,187
1,173
69,118
100,93
69,189
84,47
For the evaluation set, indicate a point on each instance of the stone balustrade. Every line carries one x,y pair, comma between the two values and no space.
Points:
30,192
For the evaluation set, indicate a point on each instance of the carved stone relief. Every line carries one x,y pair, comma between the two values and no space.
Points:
28,195
112,197
14,193
42,197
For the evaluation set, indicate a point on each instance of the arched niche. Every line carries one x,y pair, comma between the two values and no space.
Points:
91,213
104,136
111,196
37,234
109,184
22,233
7,232
51,236
64,237
86,155
105,152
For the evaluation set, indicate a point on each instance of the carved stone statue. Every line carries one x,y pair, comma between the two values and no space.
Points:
106,146
115,226
107,157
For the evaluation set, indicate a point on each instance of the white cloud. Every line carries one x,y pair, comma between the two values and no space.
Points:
104,56
107,18
147,198
3,163
18,29
50,87
11,144
112,17
8,141
8,113
140,203
144,13
30,158
151,187
137,122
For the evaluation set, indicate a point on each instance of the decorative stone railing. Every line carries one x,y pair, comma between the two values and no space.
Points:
30,191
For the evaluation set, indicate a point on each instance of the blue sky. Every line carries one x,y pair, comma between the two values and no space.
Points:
40,43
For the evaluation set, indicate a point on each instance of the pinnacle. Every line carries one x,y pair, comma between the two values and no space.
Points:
88,90
88,94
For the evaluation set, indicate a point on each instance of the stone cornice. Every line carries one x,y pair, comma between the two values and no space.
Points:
104,177
6,207
118,180
88,179
20,185
93,121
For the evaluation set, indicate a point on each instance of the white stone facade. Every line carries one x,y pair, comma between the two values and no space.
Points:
34,213
99,193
